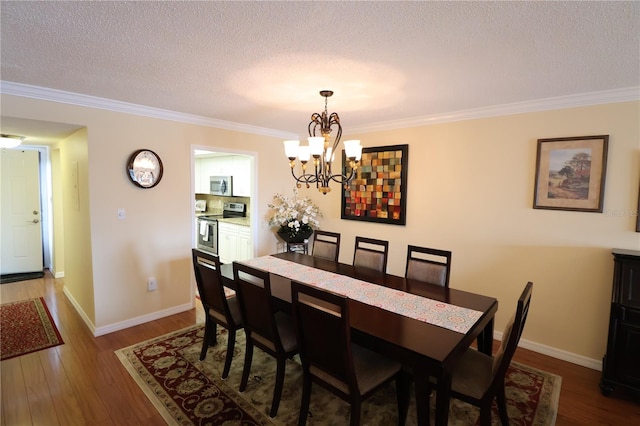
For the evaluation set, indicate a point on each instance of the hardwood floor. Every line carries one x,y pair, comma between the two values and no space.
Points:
82,382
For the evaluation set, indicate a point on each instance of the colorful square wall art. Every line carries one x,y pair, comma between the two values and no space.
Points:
378,191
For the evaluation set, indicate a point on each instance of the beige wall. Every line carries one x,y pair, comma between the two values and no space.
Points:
76,218
470,190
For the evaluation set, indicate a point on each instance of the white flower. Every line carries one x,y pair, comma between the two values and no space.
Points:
294,213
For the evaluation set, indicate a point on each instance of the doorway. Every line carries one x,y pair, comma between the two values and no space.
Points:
25,210
241,166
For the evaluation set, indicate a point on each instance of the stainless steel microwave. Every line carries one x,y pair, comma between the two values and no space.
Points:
221,185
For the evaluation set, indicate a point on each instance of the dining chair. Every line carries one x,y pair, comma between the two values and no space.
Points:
371,253
326,245
330,359
271,331
428,265
478,378
218,308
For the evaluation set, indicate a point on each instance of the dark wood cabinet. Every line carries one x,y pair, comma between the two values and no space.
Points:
621,363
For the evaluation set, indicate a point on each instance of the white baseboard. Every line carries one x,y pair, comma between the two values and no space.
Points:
128,323
141,319
79,310
594,364
54,273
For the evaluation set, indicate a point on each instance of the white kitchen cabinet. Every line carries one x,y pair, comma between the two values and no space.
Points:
237,166
197,170
241,175
227,242
234,242
245,243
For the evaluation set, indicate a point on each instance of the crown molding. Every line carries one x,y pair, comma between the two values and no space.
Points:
78,99
571,101
580,100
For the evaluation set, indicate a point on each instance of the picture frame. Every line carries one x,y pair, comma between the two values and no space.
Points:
378,190
570,173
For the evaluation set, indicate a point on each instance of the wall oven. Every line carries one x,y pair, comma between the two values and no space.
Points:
208,234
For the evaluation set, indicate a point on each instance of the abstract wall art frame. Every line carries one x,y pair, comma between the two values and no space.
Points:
570,173
378,191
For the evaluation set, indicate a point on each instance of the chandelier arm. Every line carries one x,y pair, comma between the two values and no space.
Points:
316,120
305,177
342,179
336,142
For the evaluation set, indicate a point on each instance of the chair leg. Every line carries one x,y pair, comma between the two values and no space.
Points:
355,412
230,347
502,406
277,392
209,336
205,346
306,399
403,383
485,413
248,355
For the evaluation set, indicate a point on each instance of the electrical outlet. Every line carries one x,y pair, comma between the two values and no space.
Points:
152,284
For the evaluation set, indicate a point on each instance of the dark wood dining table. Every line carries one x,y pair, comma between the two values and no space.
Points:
429,350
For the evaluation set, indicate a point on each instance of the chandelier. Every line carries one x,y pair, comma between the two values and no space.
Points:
322,151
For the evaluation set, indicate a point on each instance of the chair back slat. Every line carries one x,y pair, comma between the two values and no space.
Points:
326,245
371,253
253,288
428,265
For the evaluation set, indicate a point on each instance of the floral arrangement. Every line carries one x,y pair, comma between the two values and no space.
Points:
294,215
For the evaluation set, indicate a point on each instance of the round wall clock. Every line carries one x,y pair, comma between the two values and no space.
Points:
144,168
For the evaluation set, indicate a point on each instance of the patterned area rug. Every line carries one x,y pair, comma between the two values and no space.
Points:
187,391
26,327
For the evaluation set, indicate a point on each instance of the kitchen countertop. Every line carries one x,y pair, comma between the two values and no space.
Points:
242,221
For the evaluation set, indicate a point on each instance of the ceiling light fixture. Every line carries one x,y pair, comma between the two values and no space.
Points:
322,151
10,141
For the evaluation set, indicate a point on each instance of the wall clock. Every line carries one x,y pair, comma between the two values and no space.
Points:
144,168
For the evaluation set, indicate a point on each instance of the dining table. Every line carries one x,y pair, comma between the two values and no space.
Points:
425,326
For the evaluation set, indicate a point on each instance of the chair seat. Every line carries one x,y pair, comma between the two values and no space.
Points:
473,374
371,369
234,309
286,331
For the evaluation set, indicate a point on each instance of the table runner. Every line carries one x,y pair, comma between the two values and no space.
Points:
434,312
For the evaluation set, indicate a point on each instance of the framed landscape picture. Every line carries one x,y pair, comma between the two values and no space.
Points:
570,173
378,191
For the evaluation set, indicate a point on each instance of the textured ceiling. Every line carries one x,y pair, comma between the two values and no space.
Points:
263,63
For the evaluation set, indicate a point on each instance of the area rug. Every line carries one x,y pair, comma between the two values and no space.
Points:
26,327
12,278
187,391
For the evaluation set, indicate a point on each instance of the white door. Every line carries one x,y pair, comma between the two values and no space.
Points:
21,227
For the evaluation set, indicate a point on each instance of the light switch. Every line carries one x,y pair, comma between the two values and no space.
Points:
121,214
